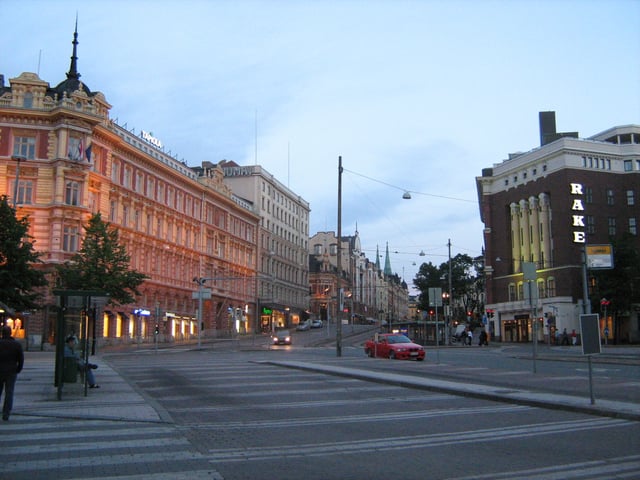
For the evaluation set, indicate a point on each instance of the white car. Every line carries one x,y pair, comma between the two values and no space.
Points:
304,326
316,323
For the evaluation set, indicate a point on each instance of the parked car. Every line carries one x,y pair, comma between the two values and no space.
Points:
304,326
394,345
316,323
281,337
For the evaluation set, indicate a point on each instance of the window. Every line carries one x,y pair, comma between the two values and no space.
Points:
633,226
72,193
25,147
551,287
541,289
333,249
631,197
520,291
75,151
125,216
27,101
138,186
113,211
70,239
25,192
588,195
628,166
127,178
591,224
115,172
610,199
612,226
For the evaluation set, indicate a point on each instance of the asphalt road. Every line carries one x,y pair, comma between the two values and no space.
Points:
253,420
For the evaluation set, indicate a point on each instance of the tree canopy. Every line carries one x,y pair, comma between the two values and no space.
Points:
103,264
18,257
466,282
620,285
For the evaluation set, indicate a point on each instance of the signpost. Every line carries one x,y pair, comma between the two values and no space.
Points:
590,334
435,300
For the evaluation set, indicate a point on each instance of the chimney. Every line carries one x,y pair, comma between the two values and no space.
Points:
547,127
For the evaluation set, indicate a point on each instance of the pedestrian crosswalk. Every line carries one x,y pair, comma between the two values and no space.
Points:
33,448
222,417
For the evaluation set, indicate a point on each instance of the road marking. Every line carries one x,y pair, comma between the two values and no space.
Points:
386,444
619,467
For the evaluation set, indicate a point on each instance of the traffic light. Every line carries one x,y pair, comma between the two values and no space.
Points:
157,329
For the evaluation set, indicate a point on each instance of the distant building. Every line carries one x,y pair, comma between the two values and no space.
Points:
543,207
282,242
369,294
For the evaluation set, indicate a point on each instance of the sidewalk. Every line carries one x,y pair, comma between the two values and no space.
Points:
36,395
601,407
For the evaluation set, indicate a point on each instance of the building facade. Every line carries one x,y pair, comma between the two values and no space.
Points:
541,211
62,159
368,293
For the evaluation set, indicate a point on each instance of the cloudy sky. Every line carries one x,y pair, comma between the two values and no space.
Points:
415,96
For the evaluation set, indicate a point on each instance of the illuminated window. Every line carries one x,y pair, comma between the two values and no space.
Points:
633,226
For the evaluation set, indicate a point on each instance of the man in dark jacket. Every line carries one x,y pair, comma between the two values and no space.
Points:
11,362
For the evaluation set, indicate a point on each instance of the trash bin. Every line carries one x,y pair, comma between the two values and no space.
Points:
70,371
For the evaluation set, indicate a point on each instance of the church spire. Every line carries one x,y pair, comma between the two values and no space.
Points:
377,258
387,263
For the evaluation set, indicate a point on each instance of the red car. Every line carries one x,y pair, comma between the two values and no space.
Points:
394,345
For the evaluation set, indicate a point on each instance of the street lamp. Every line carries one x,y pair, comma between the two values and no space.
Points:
17,158
200,281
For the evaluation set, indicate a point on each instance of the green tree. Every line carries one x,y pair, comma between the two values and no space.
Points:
465,282
621,284
102,264
18,275
429,276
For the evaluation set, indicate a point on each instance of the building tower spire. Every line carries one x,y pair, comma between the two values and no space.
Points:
377,258
387,263
73,68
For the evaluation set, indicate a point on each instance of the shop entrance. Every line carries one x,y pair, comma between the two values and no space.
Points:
517,330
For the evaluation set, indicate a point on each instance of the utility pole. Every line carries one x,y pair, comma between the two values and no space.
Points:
339,263
447,319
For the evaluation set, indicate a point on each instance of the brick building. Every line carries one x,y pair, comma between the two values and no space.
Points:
545,207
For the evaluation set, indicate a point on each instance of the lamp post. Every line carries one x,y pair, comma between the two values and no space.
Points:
339,262
17,158
200,281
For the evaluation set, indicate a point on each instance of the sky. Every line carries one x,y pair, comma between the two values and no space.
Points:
415,96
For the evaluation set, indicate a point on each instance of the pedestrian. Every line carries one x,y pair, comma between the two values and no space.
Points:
565,337
70,352
574,337
483,338
469,337
11,362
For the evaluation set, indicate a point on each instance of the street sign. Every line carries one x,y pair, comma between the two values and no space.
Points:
590,333
435,297
206,294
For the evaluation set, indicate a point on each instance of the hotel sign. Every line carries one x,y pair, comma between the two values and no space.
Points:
577,218
151,139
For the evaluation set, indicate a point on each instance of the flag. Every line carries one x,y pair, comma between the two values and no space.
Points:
87,153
